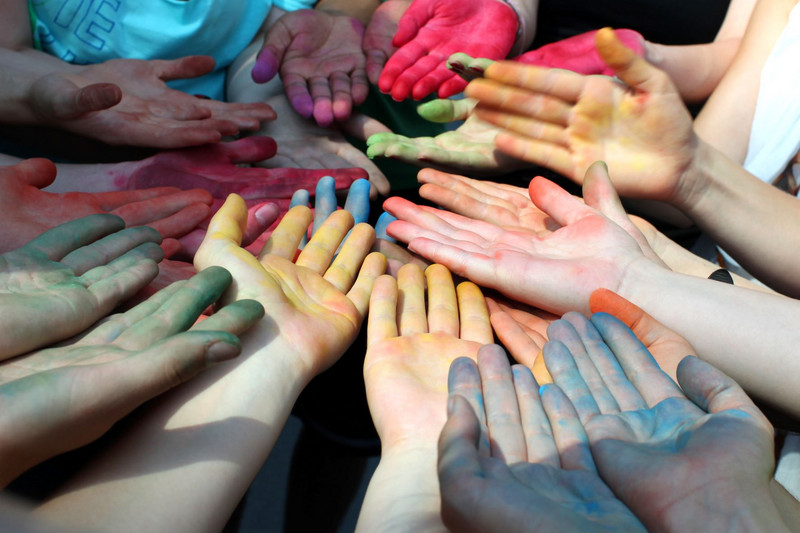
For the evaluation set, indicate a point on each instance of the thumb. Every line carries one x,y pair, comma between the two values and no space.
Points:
38,172
268,61
445,110
56,98
410,23
625,63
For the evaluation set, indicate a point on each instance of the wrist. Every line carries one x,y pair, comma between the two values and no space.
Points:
526,24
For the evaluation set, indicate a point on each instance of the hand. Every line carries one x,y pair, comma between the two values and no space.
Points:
69,277
528,466
148,113
378,36
468,147
325,201
556,272
409,351
667,347
315,293
28,211
658,445
59,399
303,144
566,121
523,331
579,53
431,30
500,204
320,60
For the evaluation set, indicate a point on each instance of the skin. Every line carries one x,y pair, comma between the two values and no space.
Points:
428,32
380,31
28,211
320,60
123,101
565,121
409,351
183,440
85,386
537,474
468,147
69,277
675,455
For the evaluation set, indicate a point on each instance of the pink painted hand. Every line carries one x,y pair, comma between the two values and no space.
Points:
321,62
409,351
61,398
579,53
566,121
317,292
431,30
142,110
556,272
28,211
378,36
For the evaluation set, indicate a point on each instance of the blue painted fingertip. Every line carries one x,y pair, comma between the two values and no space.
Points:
380,226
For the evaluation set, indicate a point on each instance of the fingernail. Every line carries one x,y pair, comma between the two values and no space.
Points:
221,351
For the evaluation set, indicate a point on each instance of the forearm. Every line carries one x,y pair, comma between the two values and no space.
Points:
403,494
753,221
187,461
695,69
526,11
751,336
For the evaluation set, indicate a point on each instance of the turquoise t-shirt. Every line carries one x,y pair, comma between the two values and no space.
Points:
93,31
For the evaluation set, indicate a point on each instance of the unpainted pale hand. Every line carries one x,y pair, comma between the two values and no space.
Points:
142,110
378,47
512,460
61,398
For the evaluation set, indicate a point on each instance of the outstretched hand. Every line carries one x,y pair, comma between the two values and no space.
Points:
321,62
26,211
127,102
566,121
676,455
468,147
66,279
315,292
512,460
431,30
65,397
555,272
378,36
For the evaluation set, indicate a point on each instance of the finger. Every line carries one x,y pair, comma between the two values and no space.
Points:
452,86
464,381
566,375
406,83
355,248
319,251
297,93
184,67
341,87
324,201
397,64
411,301
558,83
359,89
179,312
357,203
141,212
714,392
229,222
112,290
502,413
111,247
523,345
69,237
442,303
268,60
627,65
236,318
641,368
568,433
539,443
287,236
564,208
374,266
321,95
459,461
37,172
533,129
80,102
611,388
380,226
259,218
382,320
300,197
437,79
473,314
